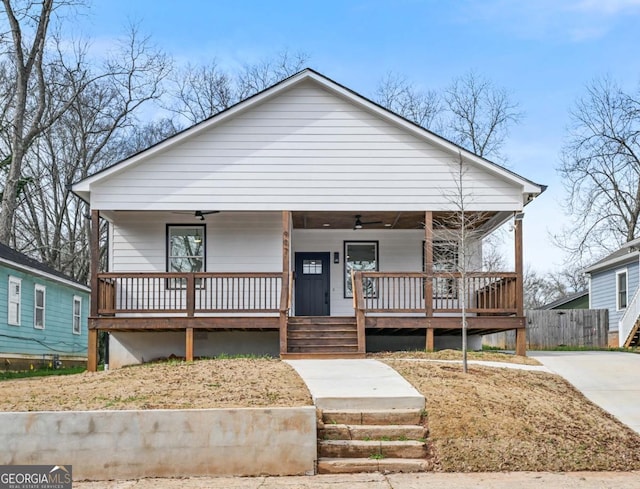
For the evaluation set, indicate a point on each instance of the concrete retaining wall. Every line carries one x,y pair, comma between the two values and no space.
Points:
104,445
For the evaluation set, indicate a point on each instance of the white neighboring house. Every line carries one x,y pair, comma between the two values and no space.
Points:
295,223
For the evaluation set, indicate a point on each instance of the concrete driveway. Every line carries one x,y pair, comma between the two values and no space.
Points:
609,379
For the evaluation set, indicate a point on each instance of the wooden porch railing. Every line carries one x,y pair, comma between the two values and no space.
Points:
403,292
191,293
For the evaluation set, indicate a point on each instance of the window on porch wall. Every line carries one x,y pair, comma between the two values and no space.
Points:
185,251
360,256
445,259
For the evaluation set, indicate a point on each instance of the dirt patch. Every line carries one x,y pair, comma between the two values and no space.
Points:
176,385
511,420
488,356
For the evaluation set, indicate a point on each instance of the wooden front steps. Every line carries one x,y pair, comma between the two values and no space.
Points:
322,337
634,336
372,441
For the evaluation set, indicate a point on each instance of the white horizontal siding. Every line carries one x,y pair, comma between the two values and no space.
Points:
304,150
398,250
235,241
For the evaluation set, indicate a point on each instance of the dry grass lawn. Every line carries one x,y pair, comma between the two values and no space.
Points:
500,419
175,385
492,419
489,356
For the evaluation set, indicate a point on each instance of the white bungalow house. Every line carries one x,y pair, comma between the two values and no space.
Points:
304,221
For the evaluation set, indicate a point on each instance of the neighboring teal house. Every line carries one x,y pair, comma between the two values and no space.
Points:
43,314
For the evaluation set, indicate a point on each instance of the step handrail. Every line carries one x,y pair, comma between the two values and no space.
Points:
628,319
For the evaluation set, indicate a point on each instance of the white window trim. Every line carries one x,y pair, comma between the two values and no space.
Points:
618,273
44,305
76,298
14,280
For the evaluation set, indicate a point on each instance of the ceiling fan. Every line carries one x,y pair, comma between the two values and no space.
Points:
359,224
200,214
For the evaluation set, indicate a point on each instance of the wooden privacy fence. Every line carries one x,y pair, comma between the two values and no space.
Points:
556,327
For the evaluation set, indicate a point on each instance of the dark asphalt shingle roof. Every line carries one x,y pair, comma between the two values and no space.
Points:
18,258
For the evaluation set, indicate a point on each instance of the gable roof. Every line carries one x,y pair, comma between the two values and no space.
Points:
23,262
626,253
565,300
83,187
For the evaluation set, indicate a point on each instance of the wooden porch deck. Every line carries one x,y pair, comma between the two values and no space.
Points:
393,303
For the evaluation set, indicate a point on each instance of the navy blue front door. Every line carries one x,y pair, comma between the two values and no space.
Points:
312,284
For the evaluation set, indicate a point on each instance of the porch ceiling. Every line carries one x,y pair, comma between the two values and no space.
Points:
379,220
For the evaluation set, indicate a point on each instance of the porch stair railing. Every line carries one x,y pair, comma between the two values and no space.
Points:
629,323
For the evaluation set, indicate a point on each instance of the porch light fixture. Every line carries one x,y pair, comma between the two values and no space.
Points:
336,257
326,225
519,216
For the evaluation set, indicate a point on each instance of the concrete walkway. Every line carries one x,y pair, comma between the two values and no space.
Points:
609,379
509,480
356,384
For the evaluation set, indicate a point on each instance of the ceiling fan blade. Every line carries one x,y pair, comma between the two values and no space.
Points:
371,222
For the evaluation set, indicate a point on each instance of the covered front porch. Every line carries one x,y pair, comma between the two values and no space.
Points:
374,302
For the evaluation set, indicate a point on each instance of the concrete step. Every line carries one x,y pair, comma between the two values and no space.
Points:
385,465
321,356
323,348
372,432
372,417
367,449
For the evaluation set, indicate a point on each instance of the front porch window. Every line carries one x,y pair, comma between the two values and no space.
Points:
360,256
185,250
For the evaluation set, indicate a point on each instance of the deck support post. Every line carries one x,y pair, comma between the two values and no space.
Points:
358,299
521,333
92,345
285,292
430,344
189,344
428,281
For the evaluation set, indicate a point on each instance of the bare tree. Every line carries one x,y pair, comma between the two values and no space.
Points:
601,171
480,114
463,228
84,139
257,76
198,92
25,112
397,94
472,111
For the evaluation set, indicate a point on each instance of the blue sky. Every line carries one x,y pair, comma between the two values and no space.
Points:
543,52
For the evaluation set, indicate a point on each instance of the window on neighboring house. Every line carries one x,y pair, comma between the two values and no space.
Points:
39,302
621,289
14,300
360,256
77,315
185,251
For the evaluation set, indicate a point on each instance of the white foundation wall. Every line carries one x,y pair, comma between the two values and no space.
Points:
235,241
377,343
131,348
